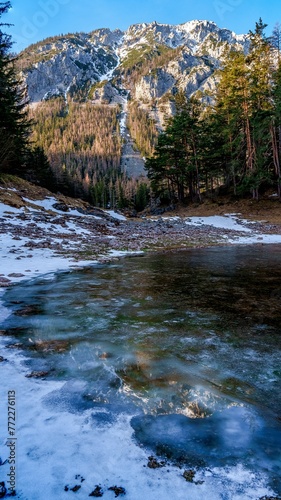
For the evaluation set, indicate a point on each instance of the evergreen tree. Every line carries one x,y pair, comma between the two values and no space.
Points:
275,40
174,169
276,127
259,61
38,169
141,197
14,124
243,111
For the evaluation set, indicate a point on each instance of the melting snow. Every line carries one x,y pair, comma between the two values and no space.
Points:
224,222
115,215
55,446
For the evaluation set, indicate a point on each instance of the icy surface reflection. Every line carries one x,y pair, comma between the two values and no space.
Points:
187,344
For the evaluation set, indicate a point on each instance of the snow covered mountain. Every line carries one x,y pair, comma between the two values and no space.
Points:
152,61
138,72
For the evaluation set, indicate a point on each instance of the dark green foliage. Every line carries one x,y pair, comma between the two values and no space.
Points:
237,141
38,169
142,197
276,126
174,168
14,124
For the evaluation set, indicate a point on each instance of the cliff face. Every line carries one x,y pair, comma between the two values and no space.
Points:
66,64
138,71
161,58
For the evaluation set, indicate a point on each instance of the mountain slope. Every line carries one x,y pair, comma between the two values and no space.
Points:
136,74
157,57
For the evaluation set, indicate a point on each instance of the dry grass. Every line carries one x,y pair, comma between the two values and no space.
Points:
266,210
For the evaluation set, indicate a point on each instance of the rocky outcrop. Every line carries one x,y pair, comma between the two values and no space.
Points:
149,63
132,163
67,64
153,86
75,63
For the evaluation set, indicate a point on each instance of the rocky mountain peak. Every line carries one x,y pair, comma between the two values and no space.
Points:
147,64
74,63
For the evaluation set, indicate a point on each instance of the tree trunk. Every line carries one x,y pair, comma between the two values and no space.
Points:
276,157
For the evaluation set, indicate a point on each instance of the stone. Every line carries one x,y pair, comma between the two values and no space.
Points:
98,492
154,464
37,374
75,488
189,475
118,490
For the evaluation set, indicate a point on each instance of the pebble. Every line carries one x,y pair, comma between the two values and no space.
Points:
133,235
98,492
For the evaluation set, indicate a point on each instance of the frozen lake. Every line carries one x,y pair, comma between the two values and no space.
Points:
175,356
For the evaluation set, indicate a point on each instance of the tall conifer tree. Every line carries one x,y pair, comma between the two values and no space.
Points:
14,123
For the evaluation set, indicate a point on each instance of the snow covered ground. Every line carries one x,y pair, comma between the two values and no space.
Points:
229,221
60,450
39,239
25,254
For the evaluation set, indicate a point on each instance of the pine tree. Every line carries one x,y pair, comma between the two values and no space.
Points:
174,169
14,124
275,40
260,64
38,169
141,197
276,127
244,111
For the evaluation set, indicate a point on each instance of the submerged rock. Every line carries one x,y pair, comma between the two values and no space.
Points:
37,374
50,346
5,282
29,310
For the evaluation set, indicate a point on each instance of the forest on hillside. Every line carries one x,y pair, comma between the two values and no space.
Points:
235,141
83,144
232,139
84,148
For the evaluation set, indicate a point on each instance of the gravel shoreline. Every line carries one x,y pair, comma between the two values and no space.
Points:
44,235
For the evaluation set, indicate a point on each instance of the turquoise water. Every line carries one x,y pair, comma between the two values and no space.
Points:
187,344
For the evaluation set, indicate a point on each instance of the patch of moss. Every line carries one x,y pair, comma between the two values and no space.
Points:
96,86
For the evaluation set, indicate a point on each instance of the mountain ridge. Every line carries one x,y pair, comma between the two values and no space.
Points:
138,72
62,65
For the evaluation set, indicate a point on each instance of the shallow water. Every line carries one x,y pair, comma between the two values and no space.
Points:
187,344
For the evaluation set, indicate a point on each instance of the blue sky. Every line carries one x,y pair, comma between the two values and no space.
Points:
36,19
